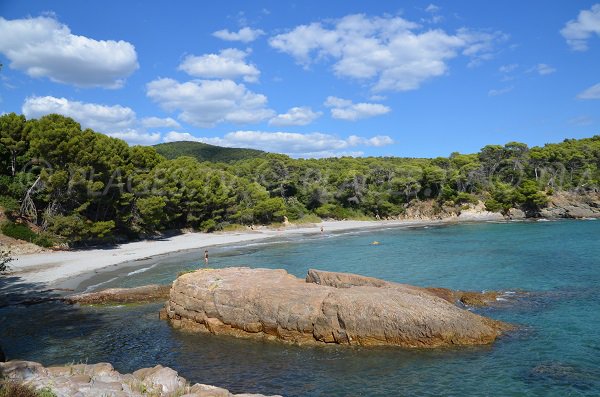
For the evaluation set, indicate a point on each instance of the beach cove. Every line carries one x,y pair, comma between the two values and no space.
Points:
554,351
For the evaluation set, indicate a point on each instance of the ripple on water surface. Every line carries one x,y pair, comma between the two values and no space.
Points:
555,352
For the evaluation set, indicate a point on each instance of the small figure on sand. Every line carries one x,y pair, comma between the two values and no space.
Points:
206,257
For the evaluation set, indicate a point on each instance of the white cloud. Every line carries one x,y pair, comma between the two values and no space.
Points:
344,109
508,68
581,121
175,136
295,116
432,8
542,69
101,118
116,121
245,35
137,137
43,47
204,103
157,122
578,31
500,91
591,93
228,64
388,51
314,144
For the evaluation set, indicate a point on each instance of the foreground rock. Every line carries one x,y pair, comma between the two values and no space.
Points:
143,294
83,380
325,308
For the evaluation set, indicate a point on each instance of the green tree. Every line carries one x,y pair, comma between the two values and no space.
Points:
13,136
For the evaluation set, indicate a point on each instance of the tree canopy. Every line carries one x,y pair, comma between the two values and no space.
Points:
77,186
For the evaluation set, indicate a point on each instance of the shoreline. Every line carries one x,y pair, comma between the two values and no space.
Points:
54,268
69,269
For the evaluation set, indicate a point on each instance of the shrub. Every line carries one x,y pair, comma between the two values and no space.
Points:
45,240
18,231
465,198
9,204
493,205
15,389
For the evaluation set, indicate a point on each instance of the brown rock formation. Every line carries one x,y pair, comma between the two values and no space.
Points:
325,308
143,294
101,379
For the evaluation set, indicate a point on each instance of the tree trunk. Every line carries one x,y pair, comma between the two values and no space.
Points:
28,206
13,162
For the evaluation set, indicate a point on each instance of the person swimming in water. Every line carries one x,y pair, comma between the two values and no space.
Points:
206,257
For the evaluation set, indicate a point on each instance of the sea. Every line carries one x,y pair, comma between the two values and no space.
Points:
547,275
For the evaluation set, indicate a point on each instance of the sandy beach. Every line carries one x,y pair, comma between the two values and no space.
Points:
53,267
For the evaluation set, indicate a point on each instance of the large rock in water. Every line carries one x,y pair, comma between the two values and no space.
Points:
325,308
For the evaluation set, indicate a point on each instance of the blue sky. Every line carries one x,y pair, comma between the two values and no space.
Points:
417,79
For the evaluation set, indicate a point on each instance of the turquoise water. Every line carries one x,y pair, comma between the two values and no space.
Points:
555,351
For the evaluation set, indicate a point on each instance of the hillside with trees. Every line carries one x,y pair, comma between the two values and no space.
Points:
205,152
61,184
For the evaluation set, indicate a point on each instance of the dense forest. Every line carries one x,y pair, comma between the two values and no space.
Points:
60,184
205,152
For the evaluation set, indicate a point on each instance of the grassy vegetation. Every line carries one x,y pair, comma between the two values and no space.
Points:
205,152
23,232
16,389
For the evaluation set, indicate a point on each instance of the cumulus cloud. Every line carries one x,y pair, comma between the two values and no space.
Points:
204,103
245,35
314,144
137,137
578,31
295,116
43,47
345,109
591,93
228,64
391,52
116,121
157,122
91,115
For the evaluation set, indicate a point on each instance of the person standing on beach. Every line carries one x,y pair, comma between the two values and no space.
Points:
206,257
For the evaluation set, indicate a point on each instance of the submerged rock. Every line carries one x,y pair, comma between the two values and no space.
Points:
327,307
143,294
92,380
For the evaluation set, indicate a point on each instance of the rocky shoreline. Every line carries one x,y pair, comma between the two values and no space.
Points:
102,380
326,308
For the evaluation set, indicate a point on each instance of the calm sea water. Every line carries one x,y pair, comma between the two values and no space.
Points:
555,352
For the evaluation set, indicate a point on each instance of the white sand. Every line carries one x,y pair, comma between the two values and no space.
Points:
53,267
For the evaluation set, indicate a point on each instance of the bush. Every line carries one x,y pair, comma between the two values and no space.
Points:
9,204
465,198
18,231
15,389
493,206
309,218
45,240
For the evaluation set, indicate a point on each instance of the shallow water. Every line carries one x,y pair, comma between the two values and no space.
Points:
555,352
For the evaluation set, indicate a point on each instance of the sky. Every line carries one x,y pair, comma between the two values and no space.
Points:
309,79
